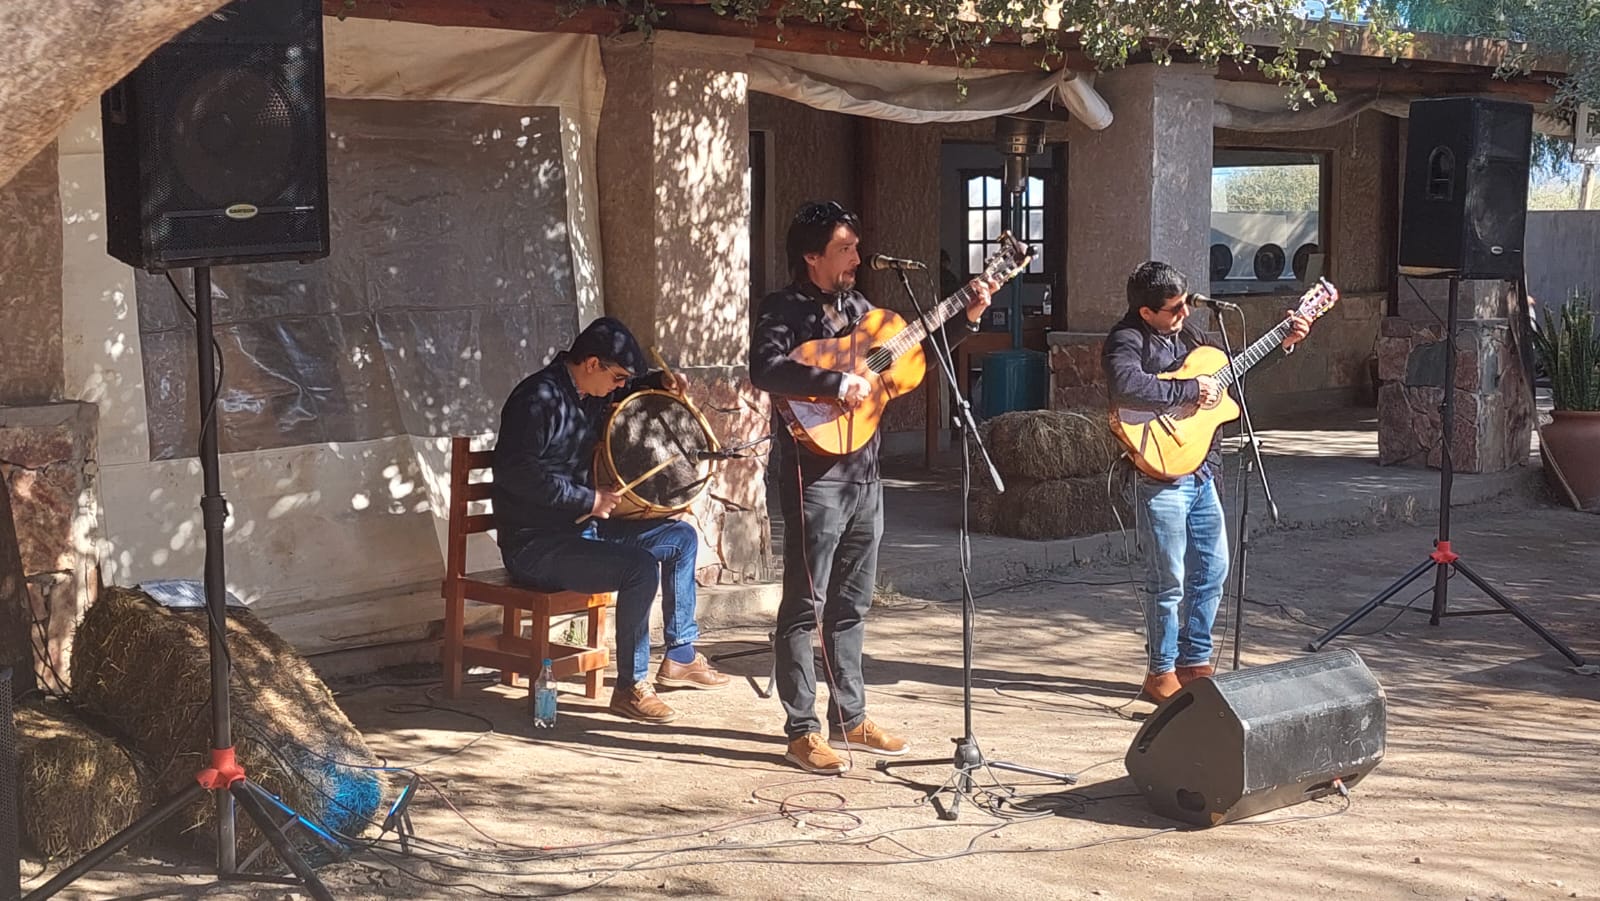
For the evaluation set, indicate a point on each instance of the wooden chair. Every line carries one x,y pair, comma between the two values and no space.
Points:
507,651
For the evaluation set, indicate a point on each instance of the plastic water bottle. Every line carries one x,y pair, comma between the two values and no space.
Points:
544,698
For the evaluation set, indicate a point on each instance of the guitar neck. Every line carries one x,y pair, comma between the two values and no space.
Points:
919,328
1255,353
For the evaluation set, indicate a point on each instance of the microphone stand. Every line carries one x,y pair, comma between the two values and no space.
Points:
1252,464
968,756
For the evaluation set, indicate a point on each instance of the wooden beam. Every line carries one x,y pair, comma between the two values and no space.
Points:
851,41
515,15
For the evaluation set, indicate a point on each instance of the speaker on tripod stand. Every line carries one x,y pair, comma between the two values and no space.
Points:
215,154
1463,216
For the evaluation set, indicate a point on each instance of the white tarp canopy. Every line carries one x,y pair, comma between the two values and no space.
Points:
911,93
1245,106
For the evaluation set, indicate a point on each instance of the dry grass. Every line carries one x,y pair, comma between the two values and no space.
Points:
1056,508
77,787
145,670
1046,445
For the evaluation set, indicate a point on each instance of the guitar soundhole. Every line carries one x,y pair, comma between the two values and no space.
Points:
879,360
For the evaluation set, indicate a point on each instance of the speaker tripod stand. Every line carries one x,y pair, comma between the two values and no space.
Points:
1444,560
224,779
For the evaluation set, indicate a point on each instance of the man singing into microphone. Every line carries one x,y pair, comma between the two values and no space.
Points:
542,484
1180,522
832,506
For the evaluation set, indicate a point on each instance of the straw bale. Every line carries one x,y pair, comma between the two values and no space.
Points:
1054,508
145,669
77,786
1051,444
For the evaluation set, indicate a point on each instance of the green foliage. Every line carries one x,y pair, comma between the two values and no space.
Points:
1569,349
1109,32
1552,34
1268,189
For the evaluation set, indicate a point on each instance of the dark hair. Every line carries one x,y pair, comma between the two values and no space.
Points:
811,231
610,341
1153,284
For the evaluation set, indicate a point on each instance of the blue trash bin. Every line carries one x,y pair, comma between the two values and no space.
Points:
1014,380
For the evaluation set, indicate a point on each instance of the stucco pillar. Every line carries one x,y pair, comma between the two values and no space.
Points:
673,163
1140,189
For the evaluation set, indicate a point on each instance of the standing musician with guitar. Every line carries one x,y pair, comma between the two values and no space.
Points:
1179,514
830,493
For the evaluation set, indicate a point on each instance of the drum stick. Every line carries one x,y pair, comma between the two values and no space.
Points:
636,482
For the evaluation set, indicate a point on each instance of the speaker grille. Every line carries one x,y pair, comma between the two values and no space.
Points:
218,141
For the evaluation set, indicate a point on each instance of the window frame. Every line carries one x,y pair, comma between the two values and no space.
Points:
1325,238
1044,246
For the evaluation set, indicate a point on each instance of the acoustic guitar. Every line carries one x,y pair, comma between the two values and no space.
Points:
885,350
1171,445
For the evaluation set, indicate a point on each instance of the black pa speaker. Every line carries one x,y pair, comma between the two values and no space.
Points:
1465,203
215,147
1257,739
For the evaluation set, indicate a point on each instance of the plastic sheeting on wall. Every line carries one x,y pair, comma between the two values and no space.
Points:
450,279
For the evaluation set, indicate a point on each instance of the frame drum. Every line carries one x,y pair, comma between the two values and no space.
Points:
644,429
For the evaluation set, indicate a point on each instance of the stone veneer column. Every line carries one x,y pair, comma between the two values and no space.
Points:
1139,190
673,159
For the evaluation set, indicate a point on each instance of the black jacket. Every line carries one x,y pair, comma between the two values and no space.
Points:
544,453
786,319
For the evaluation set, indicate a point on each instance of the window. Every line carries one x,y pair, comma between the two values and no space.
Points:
987,209
1267,220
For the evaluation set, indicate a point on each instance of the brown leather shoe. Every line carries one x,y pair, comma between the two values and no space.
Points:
639,702
810,753
1187,674
699,674
868,737
1158,687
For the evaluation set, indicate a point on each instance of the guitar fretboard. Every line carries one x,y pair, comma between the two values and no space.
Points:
1255,353
913,334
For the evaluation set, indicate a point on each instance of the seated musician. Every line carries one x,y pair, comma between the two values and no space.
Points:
542,484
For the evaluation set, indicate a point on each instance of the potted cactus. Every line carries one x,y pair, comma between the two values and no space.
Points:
1569,349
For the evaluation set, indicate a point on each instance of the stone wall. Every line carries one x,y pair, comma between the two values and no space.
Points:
1494,405
30,284
47,462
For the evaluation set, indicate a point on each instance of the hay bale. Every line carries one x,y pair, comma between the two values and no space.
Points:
145,669
77,786
1054,508
1051,444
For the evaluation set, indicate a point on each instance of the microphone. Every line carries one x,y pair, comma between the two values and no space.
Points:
1200,300
879,261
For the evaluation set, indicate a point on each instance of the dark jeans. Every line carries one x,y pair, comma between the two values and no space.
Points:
830,560
632,558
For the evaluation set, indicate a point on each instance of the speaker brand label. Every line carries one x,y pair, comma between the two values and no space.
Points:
241,211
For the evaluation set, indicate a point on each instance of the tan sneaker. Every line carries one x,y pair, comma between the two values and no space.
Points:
639,702
868,737
699,674
810,753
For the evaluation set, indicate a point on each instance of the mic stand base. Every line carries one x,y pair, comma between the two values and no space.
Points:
967,760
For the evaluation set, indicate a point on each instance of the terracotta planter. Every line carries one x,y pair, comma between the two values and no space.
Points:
1572,440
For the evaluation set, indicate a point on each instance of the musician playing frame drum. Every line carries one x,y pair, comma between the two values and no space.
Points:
556,528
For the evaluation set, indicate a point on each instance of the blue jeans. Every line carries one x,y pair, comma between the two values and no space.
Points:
632,558
1186,564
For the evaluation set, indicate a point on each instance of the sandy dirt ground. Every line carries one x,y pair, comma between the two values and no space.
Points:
1487,790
